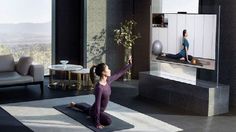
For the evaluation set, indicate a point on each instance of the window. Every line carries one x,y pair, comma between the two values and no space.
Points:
25,29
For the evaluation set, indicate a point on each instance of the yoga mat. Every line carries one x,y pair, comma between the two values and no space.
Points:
8,123
176,61
116,125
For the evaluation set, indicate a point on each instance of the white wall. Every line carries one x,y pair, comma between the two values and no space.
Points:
198,37
174,6
201,34
172,38
190,22
181,24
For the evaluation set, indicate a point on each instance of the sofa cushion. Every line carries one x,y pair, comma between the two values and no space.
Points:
23,65
7,63
8,78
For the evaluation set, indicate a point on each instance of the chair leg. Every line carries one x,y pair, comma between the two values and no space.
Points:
41,87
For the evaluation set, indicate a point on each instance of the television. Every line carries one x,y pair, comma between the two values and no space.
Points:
201,29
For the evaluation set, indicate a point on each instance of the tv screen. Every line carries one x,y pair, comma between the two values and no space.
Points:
188,39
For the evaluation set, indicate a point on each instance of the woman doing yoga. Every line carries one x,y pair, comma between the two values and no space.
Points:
183,54
102,93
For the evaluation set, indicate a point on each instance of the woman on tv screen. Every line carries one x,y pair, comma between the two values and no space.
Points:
183,54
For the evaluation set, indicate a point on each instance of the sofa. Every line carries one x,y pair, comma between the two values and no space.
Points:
20,73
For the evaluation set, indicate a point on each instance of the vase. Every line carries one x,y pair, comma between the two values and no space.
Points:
128,53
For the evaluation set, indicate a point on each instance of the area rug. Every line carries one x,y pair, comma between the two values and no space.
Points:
8,123
40,116
117,124
177,61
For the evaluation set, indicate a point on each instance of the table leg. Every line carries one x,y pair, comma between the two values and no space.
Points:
82,80
87,81
69,79
63,79
90,83
50,78
78,81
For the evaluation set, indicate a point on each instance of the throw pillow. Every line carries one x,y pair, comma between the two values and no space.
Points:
7,63
23,65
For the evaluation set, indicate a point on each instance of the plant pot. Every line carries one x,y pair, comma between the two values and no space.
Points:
128,53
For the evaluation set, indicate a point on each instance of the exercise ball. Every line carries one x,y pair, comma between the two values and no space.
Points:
157,47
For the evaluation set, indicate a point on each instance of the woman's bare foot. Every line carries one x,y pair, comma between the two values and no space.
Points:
182,59
99,126
163,54
72,104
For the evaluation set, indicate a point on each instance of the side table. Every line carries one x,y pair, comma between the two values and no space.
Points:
83,78
65,82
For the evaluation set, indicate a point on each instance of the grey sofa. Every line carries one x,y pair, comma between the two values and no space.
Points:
20,73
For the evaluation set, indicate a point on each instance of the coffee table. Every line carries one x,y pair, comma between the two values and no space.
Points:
65,80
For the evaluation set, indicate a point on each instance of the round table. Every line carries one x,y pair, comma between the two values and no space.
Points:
83,78
66,70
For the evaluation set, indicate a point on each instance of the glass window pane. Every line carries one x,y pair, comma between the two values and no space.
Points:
25,29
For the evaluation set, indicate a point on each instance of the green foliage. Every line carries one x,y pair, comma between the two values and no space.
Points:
4,50
41,53
125,36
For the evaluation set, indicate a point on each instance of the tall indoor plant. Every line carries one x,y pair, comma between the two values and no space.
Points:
125,36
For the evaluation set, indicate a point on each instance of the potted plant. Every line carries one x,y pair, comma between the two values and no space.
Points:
125,36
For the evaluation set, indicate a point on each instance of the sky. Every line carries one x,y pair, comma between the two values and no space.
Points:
25,11
173,6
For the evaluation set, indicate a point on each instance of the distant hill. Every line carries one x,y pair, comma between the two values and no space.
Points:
29,28
25,33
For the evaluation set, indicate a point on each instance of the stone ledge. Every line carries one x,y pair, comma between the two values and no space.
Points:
203,98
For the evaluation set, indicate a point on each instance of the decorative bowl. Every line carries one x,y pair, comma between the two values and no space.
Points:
64,62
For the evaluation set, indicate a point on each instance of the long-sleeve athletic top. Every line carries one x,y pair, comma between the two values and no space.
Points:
102,94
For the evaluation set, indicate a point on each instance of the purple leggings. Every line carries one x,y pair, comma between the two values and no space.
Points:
105,120
178,56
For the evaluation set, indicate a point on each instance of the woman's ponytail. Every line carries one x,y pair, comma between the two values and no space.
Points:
92,74
96,70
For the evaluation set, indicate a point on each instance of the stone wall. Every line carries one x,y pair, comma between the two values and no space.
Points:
103,16
96,31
